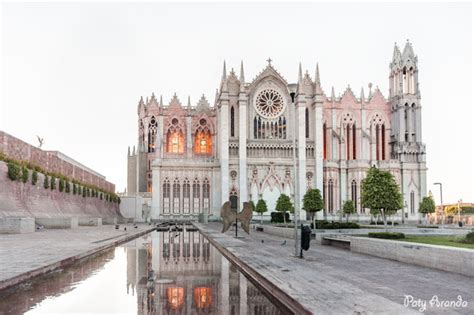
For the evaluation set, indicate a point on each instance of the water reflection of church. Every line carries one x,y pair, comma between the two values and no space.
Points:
182,273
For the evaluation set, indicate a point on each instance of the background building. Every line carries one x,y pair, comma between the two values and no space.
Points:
191,159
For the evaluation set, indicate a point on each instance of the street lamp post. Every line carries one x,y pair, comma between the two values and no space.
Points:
441,197
296,190
459,211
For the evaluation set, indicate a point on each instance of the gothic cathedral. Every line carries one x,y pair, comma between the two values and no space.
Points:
191,159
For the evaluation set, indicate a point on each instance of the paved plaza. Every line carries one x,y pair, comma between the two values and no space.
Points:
26,255
330,280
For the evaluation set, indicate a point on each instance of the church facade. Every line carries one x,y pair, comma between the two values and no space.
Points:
191,159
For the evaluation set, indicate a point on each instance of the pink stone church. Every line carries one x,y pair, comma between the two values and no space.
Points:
191,158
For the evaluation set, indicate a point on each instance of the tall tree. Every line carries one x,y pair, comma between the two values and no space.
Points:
313,202
283,205
427,205
260,208
348,208
380,193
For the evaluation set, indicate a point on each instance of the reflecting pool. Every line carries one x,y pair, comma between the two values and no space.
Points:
168,272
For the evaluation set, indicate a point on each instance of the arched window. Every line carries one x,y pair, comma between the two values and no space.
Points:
354,193
176,196
203,138
175,138
206,195
232,122
407,121
166,196
186,196
255,128
196,195
330,196
325,141
412,202
141,132
405,81
383,141
354,142
306,122
377,142
152,127
348,142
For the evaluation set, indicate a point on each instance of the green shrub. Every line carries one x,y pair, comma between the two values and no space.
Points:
381,223
84,192
53,183
101,196
427,226
387,235
325,225
61,185
34,177
13,171
24,174
469,239
74,189
277,217
46,182
68,187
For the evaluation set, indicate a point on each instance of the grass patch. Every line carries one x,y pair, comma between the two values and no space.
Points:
445,240
387,235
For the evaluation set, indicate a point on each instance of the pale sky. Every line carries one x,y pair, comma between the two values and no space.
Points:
74,73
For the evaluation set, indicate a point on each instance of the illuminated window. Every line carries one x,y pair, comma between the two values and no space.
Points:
203,297
175,141
175,296
203,139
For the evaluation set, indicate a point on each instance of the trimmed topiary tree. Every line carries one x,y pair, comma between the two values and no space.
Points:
34,177
67,187
261,208
46,182
84,192
427,205
380,193
61,185
52,184
24,174
284,205
313,202
74,188
13,170
348,208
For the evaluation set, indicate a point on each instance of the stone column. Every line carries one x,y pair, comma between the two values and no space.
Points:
318,143
418,124
189,140
301,137
243,193
156,196
224,287
243,294
362,140
401,119
224,146
410,123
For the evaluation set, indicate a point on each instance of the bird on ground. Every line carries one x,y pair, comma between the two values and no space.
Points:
263,241
125,228
284,243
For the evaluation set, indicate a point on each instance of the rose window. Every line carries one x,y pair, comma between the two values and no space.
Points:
269,104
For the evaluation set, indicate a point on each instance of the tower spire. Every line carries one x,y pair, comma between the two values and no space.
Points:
161,100
242,78
333,94
362,96
316,76
189,101
224,72
300,74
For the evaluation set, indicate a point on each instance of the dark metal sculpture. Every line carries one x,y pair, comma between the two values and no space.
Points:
229,216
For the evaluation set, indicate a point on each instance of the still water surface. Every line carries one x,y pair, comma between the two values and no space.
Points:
159,273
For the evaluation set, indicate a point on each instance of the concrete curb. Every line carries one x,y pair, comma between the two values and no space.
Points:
8,283
279,297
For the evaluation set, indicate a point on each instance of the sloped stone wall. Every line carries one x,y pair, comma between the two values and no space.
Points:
27,200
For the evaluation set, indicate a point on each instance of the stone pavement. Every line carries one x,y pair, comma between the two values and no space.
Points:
23,256
330,280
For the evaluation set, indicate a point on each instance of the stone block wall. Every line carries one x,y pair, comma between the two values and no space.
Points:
19,199
51,161
17,225
451,259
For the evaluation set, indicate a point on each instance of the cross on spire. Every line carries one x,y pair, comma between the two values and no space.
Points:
269,60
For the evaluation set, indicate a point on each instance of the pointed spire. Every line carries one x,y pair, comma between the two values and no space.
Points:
189,101
362,96
370,91
242,78
333,95
316,76
408,51
128,151
161,100
300,74
224,72
133,152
